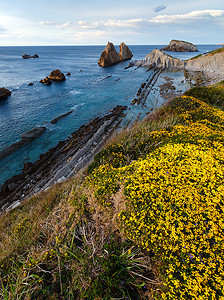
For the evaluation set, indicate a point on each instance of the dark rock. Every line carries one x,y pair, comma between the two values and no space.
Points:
33,133
68,74
46,81
12,186
26,56
27,138
57,75
27,166
30,84
4,93
55,120
180,46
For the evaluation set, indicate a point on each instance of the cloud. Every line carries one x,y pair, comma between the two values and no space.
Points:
194,15
159,8
46,23
131,23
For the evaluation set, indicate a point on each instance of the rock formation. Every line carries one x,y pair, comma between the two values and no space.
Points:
125,53
46,81
26,137
180,46
159,59
4,93
26,56
109,56
210,63
57,75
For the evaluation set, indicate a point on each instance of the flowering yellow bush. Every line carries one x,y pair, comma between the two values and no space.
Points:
175,201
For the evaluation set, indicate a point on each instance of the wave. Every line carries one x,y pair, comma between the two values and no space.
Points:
74,92
75,107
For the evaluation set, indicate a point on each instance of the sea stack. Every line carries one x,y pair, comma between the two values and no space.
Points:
180,46
57,75
4,93
125,52
109,56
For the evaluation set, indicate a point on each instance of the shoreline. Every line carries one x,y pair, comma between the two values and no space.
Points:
61,162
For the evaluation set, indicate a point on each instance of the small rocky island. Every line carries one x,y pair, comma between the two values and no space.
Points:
55,75
180,46
27,56
4,93
111,57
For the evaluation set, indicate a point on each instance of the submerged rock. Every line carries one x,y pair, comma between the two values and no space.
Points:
57,75
4,93
125,53
109,56
26,56
180,46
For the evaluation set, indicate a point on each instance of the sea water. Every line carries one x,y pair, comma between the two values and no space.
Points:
87,92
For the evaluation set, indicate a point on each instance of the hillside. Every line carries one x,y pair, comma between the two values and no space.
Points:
144,221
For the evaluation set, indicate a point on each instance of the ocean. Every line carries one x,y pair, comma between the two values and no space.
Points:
87,92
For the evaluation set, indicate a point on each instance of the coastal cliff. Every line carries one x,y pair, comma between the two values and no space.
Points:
180,46
211,64
159,59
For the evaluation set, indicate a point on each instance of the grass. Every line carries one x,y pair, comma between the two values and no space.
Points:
144,221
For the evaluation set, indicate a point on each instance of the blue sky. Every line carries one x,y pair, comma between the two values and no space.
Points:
71,22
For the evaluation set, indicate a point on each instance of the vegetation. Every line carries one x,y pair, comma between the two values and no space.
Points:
145,221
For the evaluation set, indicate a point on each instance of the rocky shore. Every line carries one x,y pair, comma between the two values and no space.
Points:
62,161
211,64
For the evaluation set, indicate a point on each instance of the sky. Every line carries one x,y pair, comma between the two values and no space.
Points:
95,22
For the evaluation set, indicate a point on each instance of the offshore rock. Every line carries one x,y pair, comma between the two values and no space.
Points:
26,56
46,81
109,56
57,75
4,93
158,59
180,46
125,53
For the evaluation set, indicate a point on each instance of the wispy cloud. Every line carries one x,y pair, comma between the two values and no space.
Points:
46,23
194,15
159,8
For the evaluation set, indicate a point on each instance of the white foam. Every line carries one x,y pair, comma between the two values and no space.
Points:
75,107
74,92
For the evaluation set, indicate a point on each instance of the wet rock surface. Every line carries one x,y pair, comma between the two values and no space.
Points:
26,137
57,75
46,81
62,161
55,120
4,93
27,56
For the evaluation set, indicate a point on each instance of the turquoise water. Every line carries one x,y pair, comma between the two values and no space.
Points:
84,92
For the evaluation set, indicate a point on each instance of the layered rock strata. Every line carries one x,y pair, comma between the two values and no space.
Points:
160,59
63,161
180,46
